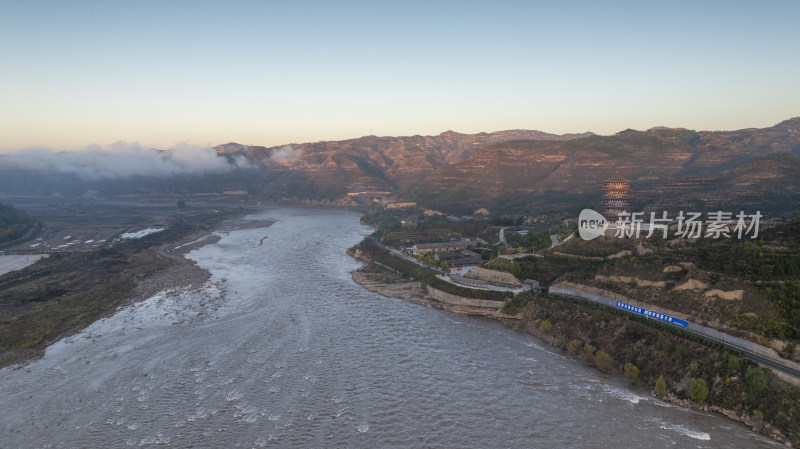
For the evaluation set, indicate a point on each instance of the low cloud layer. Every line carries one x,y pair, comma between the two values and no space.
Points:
123,159
286,153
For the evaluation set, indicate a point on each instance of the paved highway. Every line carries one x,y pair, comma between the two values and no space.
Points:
782,366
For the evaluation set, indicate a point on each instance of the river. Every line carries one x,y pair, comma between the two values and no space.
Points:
282,349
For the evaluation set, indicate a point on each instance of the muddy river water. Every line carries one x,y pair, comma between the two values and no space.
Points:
282,349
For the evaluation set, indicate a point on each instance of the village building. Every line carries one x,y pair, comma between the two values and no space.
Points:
459,259
440,247
530,284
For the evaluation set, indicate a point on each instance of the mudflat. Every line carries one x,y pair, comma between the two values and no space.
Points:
73,287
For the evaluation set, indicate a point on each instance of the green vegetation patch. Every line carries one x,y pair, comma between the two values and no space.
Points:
546,269
665,359
764,269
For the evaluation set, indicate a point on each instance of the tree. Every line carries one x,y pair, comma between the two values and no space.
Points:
733,364
682,351
661,386
181,204
788,351
755,381
779,269
698,390
631,372
791,267
545,326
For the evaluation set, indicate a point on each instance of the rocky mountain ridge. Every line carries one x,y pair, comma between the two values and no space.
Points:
667,167
514,171
370,163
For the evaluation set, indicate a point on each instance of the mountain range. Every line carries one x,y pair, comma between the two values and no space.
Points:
515,171
332,169
524,171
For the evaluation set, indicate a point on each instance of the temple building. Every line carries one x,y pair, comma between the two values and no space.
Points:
616,197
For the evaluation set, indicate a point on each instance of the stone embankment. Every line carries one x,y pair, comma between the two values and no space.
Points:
389,284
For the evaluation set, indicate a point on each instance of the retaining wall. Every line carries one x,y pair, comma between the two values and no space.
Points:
455,300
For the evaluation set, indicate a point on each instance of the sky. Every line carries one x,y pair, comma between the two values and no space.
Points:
81,73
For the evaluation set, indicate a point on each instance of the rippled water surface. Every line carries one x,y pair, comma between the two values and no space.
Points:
283,349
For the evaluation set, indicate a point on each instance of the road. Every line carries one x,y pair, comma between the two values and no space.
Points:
489,287
404,256
13,263
554,240
758,358
502,236
726,340
707,334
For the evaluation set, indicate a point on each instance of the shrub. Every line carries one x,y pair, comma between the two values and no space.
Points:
574,346
545,326
698,390
588,352
605,362
661,386
631,372
758,420
517,302
788,351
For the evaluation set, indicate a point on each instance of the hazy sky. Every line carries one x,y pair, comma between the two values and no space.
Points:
269,73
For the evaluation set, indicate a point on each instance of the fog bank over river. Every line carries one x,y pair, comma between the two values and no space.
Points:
282,349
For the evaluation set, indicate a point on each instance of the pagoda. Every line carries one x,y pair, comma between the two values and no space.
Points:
616,197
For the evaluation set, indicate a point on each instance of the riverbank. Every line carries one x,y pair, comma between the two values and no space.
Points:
183,273
383,281
571,327
180,274
63,294
614,333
